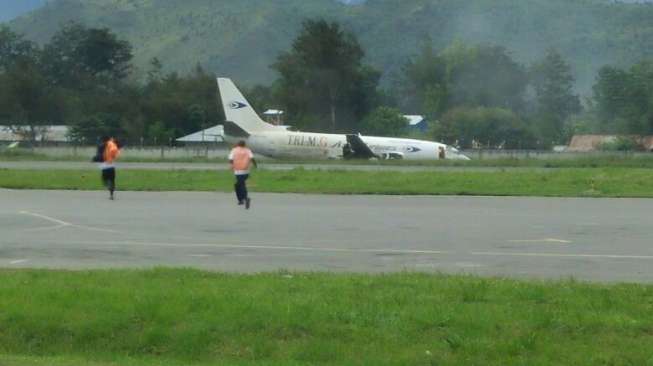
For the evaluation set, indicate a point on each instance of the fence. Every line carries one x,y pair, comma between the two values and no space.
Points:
221,152
138,152
548,154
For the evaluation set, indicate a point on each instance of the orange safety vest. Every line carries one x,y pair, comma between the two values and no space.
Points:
111,151
241,158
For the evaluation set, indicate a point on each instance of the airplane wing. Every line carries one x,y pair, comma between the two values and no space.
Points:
359,148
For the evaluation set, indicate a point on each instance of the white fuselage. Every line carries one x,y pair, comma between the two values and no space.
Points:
289,144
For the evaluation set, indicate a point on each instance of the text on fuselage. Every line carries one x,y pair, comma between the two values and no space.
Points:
307,140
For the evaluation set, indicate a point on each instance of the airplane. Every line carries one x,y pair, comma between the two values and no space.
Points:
243,123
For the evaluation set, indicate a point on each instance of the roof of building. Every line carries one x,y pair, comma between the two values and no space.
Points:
647,141
212,134
414,120
51,133
584,143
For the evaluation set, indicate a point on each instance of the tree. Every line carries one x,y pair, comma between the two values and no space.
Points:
622,143
158,134
155,73
488,127
14,48
88,130
424,86
484,76
261,97
323,78
77,54
181,104
624,99
27,102
385,121
556,101
462,76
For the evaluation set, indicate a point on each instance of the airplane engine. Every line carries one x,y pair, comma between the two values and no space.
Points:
391,156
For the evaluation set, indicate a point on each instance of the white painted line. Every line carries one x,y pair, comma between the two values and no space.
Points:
90,228
548,240
560,255
19,261
62,224
261,247
48,218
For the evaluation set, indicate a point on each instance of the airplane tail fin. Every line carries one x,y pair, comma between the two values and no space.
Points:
238,110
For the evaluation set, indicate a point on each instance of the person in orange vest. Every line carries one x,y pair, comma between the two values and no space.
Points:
108,152
241,159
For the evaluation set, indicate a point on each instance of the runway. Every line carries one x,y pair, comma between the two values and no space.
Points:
548,238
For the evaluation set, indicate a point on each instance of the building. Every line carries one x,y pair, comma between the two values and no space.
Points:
587,143
212,135
273,116
417,123
48,135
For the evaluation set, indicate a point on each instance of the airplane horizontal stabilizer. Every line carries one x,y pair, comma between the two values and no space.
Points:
233,130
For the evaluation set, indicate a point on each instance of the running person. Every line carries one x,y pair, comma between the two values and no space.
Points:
241,159
110,152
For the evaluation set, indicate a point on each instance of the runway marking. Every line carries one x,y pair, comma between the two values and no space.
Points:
548,240
90,228
19,261
61,224
263,247
47,218
199,255
560,255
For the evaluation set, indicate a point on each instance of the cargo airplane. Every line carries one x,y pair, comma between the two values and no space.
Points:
242,123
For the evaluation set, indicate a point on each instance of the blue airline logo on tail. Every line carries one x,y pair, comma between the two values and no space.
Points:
237,105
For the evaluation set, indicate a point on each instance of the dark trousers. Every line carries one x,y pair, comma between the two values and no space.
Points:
241,187
109,179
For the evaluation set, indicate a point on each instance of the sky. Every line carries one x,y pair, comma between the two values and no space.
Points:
9,9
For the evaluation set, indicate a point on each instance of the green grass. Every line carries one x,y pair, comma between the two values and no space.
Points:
29,155
623,160
182,317
567,182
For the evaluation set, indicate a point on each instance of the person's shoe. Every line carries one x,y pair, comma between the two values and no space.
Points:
240,203
111,196
248,202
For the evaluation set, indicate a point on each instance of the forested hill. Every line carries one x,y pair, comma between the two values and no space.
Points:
242,38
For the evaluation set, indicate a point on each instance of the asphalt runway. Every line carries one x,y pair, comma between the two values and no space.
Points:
588,239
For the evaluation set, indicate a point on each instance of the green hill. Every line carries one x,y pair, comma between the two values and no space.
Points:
242,38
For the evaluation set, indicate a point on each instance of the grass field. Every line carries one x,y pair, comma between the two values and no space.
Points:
581,161
566,182
181,317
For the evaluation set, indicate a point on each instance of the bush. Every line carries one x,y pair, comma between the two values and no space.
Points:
622,143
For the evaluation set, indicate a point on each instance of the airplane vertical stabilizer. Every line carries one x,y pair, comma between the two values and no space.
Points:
238,110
